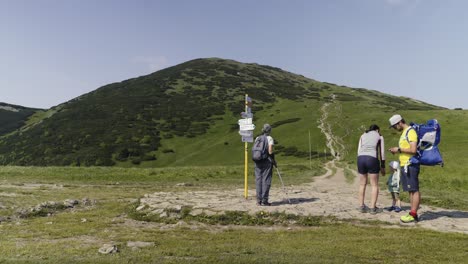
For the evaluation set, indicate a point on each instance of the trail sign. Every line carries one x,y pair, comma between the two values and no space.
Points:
245,121
247,139
246,124
246,128
246,133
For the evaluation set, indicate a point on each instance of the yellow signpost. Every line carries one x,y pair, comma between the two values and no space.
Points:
246,189
246,128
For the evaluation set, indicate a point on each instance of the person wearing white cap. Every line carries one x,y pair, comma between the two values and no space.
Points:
370,161
407,147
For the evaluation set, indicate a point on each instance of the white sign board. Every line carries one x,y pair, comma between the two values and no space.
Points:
245,121
246,133
247,127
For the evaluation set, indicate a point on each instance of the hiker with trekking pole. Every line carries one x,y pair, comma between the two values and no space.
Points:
264,158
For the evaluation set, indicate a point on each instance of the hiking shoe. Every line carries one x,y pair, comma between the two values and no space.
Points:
408,219
397,209
391,208
363,209
375,210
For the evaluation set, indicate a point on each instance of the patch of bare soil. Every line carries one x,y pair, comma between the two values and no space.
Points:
327,195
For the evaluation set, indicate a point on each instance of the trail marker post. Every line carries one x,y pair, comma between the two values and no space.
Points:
246,128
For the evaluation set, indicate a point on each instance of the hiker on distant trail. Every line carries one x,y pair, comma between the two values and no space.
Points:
264,167
393,184
370,161
407,147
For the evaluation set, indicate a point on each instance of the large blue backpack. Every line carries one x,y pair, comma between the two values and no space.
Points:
428,140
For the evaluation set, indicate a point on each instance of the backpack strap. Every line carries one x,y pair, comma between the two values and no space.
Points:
418,154
407,132
266,145
418,142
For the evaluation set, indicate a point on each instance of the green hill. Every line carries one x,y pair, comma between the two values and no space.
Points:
13,117
187,115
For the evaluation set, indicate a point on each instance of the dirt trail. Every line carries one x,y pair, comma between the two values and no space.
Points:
328,195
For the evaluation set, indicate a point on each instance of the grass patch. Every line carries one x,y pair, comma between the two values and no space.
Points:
74,236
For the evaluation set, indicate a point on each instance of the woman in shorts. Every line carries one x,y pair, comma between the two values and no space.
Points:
370,161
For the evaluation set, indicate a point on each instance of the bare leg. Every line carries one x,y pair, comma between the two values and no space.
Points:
397,199
374,179
415,199
394,199
362,188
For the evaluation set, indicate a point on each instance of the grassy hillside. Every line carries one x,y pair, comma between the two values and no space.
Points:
442,186
13,117
184,115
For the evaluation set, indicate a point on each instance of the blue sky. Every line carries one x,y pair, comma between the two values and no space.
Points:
54,50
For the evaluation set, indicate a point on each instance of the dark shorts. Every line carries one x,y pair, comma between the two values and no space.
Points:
410,178
368,164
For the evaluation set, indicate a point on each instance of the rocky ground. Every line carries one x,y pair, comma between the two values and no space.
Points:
327,195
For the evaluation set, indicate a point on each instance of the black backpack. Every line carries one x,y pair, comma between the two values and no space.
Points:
260,149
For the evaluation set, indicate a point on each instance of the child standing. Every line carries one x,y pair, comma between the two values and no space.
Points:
394,186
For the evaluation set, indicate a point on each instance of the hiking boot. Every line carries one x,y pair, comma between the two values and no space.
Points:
397,209
375,210
409,219
363,209
391,208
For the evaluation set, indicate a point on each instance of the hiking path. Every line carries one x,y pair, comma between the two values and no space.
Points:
328,195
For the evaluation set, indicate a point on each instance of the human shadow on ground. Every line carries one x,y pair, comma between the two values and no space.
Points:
294,201
432,215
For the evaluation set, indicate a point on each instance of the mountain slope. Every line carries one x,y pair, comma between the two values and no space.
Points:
184,115
13,117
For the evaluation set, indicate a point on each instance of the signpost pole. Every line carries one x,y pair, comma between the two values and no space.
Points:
246,129
246,190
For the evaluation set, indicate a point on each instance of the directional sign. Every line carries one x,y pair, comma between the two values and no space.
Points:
246,133
245,121
247,139
246,127
246,124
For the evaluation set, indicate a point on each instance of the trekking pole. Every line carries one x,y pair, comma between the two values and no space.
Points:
281,179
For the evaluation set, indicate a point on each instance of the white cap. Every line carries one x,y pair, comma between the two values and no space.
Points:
394,164
395,119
